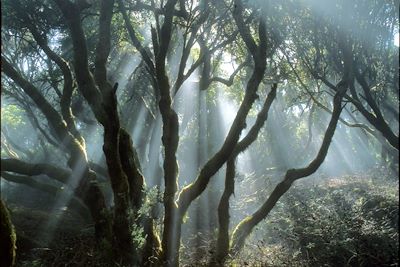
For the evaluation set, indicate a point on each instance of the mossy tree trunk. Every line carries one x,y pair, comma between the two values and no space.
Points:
244,228
170,140
87,188
101,96
222,248
259,53
131,166
8,237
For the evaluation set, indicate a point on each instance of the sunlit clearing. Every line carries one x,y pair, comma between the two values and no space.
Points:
186,102
280,140
227,113
228,65
244,162
95,152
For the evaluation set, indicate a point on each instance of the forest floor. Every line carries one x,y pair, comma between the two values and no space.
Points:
61,238
48,239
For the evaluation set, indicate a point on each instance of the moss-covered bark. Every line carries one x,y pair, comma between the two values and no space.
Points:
244,228
131,166
7,238
222,248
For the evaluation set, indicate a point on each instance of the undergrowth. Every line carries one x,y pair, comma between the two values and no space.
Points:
345,221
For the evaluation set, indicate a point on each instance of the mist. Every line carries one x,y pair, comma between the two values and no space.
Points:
198,133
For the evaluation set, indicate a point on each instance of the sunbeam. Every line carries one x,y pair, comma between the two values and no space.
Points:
199,133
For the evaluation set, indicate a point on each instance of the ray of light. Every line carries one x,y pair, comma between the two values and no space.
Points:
46,233
152,168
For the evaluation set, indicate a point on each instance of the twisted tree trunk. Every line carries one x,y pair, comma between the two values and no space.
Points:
8,237
222,248
244,228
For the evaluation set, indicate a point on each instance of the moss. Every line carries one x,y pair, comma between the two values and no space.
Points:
8,237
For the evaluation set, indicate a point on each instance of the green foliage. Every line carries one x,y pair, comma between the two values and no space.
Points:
12,116
153,197
32,263
43,14
348,221
352,222
138,236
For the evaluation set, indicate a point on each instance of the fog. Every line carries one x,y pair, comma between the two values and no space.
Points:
281,117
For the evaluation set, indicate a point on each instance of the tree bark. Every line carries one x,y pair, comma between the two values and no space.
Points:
101,97
77,155
170,137
189,193
244,228
131,166
8,237
222,248
74,204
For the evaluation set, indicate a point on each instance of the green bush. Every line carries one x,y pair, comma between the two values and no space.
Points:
348,221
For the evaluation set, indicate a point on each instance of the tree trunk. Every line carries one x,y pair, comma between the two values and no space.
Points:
223,208
94,199
223,216
8,237
244,228
170,141
131,166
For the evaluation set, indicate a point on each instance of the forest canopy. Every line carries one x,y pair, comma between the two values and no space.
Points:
200,133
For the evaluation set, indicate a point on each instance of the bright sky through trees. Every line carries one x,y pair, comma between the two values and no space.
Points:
200,133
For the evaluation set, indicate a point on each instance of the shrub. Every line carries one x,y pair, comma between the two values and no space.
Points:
348,221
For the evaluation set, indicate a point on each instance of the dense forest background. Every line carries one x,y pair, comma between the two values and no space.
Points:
199,133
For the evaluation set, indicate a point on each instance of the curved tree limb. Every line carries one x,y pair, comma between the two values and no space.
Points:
193,190
244,228
31,169
380,125
135,41
54,191
66,95
84,78
322,106
52,116
222,247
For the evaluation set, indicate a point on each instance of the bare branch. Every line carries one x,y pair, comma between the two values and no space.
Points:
244,228
135,41
31,169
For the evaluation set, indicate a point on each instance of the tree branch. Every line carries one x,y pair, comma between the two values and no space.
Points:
223,207
74,203
84,78
135,41
193,190
52,116
31,169
244,228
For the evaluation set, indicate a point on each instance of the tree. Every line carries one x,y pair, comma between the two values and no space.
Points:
8,236
62,64
361,38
